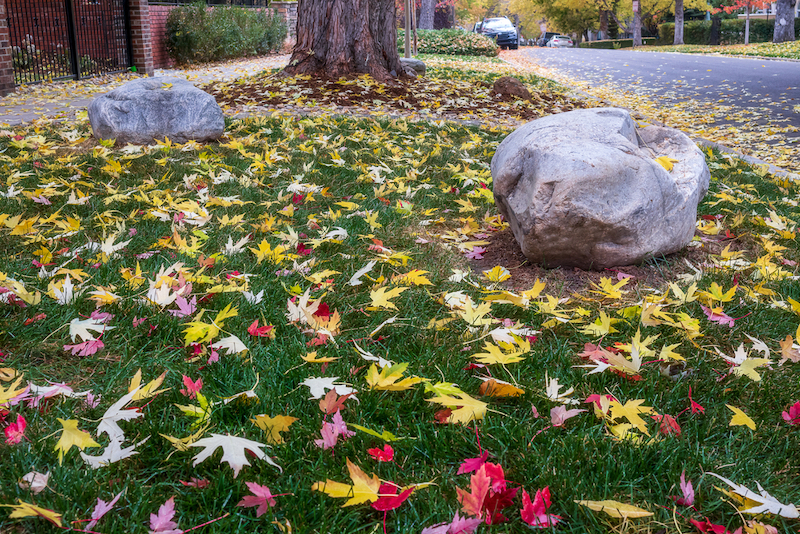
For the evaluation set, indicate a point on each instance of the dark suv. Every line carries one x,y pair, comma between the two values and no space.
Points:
502,31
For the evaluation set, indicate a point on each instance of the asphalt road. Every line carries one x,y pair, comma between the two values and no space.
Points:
764,93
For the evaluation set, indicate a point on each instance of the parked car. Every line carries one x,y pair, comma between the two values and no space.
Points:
560,41
502,31
545,37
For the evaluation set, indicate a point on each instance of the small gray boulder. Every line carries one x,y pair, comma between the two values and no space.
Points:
583,189
147,109
416,64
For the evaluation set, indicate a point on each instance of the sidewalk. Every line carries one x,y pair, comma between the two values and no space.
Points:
63,100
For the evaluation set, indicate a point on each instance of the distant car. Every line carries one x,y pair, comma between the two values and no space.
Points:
560,41
502,31
543,40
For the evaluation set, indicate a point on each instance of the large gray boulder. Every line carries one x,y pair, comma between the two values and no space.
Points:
146,109
583,189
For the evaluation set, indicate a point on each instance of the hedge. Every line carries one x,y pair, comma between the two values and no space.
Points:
731,31
196,33
450,42
620,43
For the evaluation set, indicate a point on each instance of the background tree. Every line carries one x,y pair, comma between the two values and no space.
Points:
748,6
784,21
427,8
341,37
678,38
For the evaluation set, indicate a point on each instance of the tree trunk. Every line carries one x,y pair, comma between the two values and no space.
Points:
784,21
603,33
637,24
678,23
341,37
714,33
426,14
747,24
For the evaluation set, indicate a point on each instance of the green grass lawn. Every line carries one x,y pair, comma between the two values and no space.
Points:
790,50
356,243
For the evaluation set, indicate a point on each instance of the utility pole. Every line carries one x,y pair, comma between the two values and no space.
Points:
408,29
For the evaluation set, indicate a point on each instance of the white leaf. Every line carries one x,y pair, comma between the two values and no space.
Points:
769,504
80,328
36,482
320,385
253,299
231,248
231,345
109,248
111,454
116,412
760,346
553,391
65,295
371,357
233,451
355,279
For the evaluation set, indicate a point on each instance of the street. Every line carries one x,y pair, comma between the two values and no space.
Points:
752,95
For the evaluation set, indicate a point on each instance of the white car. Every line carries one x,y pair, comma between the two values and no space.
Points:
560,41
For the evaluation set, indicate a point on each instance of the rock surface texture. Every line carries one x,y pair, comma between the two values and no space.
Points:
154,108
415,64
583,189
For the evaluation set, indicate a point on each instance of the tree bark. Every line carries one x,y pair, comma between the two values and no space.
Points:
603,33
637,24
342,37
784,21
678,23
426,14
747,24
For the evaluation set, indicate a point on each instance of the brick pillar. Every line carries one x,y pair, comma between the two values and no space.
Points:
7,84
288,10
140,37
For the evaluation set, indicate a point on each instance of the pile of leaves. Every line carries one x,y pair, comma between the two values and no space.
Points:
446,93
451,42
287,327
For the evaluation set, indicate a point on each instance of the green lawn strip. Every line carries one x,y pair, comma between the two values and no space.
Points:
789,50
328,196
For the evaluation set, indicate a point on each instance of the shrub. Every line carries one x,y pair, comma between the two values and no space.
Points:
616,43
451,43
196,33
731,31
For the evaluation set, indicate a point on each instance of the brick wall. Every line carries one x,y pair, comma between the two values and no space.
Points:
6,69
141,37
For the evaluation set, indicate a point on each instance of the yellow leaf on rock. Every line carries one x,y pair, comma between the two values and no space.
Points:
616,509
666,162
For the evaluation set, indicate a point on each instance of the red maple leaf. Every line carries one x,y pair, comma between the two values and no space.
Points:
261,498
192,388
382,455
263,331
472,501
389,498
708,526
470,465
669,426
535,513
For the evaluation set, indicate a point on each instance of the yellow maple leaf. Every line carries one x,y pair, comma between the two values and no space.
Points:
666,162
381,297
72,435
466,408
740,418
24,509
630,411
503,354
616,509
363,489
608,289
387,378
497,274
12,391
311,357
748,368
149,390
601,326
476,315
415,277
274,425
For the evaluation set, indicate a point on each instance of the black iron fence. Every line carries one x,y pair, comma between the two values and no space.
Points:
241,3
58,39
